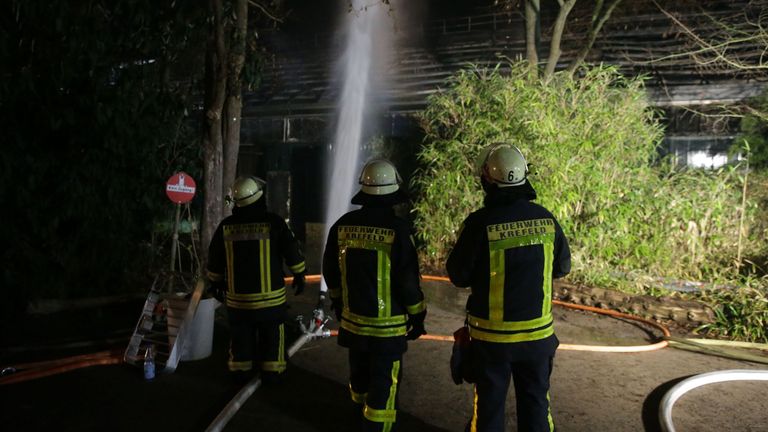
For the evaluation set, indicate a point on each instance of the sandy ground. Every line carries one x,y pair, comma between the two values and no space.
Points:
591,391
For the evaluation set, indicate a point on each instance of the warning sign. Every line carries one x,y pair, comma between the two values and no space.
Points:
180,188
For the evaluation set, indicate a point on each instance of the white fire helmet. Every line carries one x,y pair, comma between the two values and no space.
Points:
503,165
379,177
247,190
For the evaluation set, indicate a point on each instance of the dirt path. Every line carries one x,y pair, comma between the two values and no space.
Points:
591,391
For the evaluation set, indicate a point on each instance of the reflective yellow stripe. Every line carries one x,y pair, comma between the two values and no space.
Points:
373,331
509,325
514,337
215,277
374,321
380,416
383,289
343,267
393,387
298,268
281,352
279,365
417,308
239,366
473,424
230,266
357,397
549,248
258,296
508,236
256,304
549,415
496,286
380,300
262,270
273,366
375,239
515,242
268,266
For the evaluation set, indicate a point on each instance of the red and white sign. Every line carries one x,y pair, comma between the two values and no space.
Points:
180,188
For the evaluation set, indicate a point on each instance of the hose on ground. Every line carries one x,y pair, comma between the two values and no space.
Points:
669,399
732,350
41,369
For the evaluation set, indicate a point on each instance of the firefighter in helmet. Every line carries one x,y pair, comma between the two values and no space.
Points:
372,272
509,252
245,269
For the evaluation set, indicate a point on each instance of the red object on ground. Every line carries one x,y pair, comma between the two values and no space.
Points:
180,188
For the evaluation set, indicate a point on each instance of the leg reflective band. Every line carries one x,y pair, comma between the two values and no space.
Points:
358,398
240,366
392,394
473,422
379,416
549,415
276,360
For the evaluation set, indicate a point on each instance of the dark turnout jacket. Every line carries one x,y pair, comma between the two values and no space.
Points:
247,253
371,268
508,252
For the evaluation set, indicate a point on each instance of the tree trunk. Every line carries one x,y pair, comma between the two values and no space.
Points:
598,21
234,104
216,75
532,34
557,35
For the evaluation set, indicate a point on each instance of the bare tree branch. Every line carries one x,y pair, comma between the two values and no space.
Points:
712,52
599,17
557,35
266,12
532,20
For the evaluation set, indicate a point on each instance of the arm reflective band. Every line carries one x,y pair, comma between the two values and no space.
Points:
510,337
374,321
510,325
417,308
380,416
373,331
215,277
298,268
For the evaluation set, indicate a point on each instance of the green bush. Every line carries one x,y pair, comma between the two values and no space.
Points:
97,127
754,132
592,142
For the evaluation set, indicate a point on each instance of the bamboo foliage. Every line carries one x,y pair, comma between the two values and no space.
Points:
592,144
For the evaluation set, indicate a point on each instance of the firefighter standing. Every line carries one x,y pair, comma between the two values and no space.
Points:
508,252
245,268
372,272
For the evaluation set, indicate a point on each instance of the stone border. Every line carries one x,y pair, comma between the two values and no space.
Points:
684,313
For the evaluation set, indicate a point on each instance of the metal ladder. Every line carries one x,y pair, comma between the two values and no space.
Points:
163,323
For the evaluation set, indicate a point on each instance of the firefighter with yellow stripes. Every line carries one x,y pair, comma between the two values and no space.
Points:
245,268
508,252
372,272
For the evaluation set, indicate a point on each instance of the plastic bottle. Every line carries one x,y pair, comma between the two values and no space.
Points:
149,363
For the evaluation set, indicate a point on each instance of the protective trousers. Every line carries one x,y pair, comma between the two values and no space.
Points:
531,380
373,382
257,341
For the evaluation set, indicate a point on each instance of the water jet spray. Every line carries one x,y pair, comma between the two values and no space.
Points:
366,29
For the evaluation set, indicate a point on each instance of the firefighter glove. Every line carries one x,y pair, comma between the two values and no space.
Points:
416,326
320,301
298,283
216,289
336,306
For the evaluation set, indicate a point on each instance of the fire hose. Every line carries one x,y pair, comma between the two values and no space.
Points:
29,371
19,373
315,330
684,386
